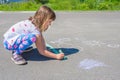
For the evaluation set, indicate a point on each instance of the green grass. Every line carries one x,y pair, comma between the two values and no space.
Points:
22,6
69,5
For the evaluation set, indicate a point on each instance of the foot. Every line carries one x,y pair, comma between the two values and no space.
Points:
18,59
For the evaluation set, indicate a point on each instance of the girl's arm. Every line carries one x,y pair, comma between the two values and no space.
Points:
40,44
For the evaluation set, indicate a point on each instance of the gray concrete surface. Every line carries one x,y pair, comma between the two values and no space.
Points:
90,40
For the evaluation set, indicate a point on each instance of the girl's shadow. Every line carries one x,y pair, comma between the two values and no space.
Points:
35,56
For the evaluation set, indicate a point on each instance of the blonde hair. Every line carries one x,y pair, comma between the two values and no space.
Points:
42,14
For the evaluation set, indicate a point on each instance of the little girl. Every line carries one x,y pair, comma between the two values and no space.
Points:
23,34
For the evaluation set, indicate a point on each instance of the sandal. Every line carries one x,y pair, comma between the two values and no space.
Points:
18,59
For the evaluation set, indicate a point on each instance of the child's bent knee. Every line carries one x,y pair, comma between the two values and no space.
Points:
33,37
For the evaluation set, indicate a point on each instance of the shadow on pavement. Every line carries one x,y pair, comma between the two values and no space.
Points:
35,56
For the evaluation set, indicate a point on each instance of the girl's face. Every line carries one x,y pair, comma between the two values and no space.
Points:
47,24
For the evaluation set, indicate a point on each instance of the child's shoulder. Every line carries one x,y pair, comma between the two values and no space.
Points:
22,23
25,22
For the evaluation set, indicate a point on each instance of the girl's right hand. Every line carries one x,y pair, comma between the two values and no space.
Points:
60,56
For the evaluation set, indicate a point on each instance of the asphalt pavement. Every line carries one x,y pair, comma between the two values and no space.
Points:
90,41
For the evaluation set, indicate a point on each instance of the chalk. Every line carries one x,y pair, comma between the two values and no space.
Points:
60,51
55,51
65,58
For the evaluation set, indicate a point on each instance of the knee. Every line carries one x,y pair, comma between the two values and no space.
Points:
33,37
7,45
